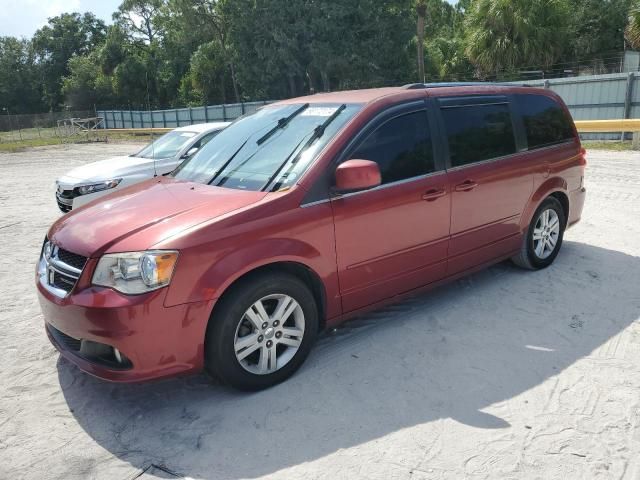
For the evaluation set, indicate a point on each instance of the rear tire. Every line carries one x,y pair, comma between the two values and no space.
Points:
543,239
261,331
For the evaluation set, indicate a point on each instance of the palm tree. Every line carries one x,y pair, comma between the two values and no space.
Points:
506,35
632,32
421,10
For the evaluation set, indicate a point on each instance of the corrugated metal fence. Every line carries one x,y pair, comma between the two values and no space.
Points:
177,117
599,97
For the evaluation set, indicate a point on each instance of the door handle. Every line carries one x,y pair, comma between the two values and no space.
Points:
466,186
434,194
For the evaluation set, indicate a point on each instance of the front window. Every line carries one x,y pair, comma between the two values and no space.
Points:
166,146
269,149
401,147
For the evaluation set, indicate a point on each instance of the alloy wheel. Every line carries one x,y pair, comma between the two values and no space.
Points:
269,334
546,233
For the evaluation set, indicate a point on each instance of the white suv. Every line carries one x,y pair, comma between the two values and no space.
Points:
88,182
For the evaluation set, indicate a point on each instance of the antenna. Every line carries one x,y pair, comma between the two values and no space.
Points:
153,153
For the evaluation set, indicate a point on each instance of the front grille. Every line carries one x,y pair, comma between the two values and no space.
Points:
64,208
63,282
60,270
68,194
76,261
64,203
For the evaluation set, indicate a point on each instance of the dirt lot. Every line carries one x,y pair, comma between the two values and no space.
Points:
505,374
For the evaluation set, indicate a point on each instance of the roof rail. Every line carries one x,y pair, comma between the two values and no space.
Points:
416,86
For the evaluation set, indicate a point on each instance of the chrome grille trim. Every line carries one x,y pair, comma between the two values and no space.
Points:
53,273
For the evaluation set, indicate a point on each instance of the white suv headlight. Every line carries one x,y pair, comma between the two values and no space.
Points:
98,187
135,272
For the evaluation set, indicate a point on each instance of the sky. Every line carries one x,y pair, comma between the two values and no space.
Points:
21,18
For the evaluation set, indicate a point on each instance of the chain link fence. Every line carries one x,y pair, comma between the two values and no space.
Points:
19,128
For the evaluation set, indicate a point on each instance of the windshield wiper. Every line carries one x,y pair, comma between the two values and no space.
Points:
226,164
283,122
317,133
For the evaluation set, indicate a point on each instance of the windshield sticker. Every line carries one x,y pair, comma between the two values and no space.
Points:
188,134
319,112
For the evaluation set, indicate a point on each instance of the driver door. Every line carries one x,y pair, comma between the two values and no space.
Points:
393,238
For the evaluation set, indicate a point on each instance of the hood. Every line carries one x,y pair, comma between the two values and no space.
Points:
137,217
115,167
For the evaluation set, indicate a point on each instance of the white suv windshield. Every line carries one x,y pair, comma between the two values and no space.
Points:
268,149
166,146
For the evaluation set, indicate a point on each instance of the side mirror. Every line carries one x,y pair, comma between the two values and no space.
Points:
354,175
190,152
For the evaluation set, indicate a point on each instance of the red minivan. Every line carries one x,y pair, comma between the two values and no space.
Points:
303,214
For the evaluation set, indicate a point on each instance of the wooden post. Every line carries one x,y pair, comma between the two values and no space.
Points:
627,102
635,143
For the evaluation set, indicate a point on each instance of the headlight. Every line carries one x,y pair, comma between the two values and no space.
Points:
135,272
98,187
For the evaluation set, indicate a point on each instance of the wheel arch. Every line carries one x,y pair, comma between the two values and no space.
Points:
563,198
292,267
553,187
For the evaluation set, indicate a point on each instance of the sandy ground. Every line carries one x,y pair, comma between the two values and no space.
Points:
505,374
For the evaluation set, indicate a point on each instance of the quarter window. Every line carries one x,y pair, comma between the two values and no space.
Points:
545,121
478,132
401,147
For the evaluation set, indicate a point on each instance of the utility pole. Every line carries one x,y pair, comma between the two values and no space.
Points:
421,10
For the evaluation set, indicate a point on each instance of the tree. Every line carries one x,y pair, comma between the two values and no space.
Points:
597,27
86,85
189,25
138,17
63,37
19,76
503,36
632,32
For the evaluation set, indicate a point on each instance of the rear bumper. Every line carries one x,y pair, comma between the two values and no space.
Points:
158,341
576,204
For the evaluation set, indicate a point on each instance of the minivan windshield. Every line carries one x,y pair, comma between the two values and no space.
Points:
269,149
166,146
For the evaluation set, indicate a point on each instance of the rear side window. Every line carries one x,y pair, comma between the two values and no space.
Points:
401,147
545,121
478,132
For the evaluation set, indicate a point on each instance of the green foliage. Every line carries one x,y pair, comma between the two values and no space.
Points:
168,53
86,84
63,37
597,26
20,89
505,35
632,33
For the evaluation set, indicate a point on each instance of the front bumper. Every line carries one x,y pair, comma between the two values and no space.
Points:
67,200
157,341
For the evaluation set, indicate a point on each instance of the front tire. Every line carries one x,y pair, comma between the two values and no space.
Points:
543,238
261,331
